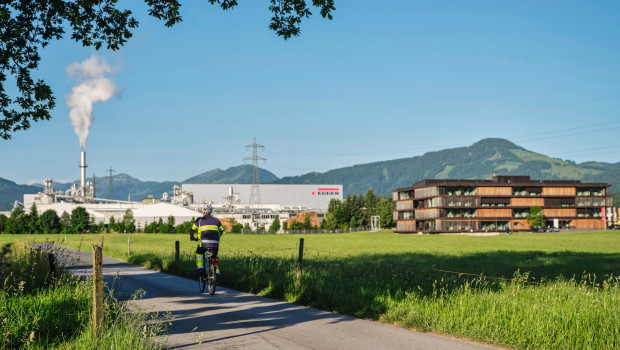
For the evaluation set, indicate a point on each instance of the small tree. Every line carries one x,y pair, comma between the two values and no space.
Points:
65,222
536,218
353,222
16,222
80,220
168,227
128,221
185,227
94,228
50,222
285,225
307,224
236,228
33,220
3,220
112,224
275,225
385,210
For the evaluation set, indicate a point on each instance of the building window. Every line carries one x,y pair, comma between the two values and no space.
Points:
460,191
404,195
520,213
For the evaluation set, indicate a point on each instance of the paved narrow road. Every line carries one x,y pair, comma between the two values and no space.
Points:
234,320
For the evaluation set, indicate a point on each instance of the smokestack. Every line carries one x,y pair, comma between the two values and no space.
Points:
83,171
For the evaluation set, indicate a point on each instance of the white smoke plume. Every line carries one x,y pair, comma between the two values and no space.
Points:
94,87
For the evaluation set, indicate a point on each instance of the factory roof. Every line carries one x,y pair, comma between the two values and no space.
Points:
67,207
164,210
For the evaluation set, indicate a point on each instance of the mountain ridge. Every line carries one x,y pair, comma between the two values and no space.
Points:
480,160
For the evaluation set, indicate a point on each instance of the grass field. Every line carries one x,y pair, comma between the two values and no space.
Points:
41,311
572,300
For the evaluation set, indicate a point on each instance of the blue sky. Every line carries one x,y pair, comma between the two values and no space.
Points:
382,80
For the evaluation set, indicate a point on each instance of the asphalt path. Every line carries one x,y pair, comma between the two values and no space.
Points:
235,320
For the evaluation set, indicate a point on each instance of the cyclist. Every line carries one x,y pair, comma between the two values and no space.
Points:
210,230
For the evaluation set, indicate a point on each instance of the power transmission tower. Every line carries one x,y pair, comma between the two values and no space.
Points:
111,185
255,193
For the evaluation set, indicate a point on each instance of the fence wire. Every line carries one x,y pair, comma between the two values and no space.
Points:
329,252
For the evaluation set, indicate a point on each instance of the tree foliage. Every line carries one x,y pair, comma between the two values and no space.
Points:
355,211
80,220
3,220
275,225
49,222
27,26
536,218
16,223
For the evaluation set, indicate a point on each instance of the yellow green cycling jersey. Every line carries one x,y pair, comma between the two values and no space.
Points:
209,230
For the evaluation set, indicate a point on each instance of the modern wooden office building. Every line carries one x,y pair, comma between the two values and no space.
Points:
434,206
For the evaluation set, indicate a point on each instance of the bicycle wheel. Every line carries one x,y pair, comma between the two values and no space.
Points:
202,279
211,278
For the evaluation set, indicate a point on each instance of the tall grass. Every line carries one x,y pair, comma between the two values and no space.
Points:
560,291
38,310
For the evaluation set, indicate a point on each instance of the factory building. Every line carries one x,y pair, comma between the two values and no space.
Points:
229,202
502,202
273,197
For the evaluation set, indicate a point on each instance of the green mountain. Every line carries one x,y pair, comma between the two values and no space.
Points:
478,161
126,187
241,174
11,192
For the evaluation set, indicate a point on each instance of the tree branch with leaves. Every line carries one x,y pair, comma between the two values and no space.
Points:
27,26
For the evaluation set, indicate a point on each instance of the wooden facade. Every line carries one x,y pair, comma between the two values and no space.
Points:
495,191
526,202
498,204
559,191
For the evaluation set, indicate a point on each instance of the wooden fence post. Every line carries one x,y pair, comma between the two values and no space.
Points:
129,246
97,289
176,251
301,256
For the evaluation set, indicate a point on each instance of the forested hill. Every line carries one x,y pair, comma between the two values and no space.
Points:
10,192
241,174
478,161
126,187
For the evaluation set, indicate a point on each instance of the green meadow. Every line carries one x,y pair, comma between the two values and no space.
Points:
39,310
542,291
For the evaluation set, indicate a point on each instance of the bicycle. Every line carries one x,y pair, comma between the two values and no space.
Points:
208,275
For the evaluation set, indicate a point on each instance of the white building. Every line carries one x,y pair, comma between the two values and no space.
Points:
229,201
278,197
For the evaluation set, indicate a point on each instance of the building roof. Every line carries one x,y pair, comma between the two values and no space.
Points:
500,180
164,210
68,207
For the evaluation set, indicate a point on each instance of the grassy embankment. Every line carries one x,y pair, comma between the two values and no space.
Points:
41,312
395,278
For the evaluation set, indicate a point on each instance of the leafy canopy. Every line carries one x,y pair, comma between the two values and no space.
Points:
26,26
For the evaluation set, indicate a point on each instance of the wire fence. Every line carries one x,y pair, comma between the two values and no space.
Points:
311,231
393,264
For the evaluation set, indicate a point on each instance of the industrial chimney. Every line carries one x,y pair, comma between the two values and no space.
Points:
83,173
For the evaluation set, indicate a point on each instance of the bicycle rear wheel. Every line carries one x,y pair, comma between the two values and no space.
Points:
211,278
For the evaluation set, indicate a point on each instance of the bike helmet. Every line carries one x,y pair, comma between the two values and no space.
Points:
206,209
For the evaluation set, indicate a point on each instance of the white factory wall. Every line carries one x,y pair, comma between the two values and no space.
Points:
315,197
